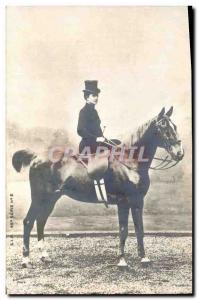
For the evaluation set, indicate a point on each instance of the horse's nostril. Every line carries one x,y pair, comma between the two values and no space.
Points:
180,155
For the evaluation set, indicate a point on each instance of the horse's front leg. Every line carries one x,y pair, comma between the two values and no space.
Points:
123,214
137,214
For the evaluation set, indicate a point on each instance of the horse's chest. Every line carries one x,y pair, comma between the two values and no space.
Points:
133,176
125,174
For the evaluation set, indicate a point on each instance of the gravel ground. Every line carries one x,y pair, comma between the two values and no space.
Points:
87,265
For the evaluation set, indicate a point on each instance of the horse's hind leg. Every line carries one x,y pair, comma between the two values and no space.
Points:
123,214
41,221
40,233
43,254
137,214
28,224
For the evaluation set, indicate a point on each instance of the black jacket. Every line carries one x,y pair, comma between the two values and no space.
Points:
89,125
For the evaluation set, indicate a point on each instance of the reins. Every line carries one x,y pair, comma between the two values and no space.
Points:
165,164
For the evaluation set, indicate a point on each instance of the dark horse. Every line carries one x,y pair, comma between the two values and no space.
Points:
126,186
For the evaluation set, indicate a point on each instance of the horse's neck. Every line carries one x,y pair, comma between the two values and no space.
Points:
130,139
149,146
142,138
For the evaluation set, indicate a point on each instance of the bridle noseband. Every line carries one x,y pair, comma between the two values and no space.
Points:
165,162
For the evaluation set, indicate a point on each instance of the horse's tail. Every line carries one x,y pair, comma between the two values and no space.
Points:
22,158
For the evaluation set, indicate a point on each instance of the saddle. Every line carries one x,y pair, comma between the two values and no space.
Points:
97,165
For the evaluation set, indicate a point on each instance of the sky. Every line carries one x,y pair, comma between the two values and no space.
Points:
139,55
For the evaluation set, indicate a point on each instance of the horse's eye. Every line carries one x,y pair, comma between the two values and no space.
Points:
163,123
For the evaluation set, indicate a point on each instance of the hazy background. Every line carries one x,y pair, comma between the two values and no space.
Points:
141,58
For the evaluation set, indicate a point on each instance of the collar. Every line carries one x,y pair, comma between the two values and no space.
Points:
90,106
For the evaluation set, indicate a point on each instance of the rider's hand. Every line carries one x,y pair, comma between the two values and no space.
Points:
100,139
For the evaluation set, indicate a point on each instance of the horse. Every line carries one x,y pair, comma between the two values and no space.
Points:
126,186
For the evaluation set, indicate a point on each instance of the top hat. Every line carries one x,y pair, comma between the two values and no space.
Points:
91,86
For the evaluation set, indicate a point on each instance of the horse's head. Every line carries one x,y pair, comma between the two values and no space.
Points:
167,136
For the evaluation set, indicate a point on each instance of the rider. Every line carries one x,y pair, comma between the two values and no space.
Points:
89,122
89,129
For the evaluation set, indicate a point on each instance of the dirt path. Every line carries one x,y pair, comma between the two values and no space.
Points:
88,266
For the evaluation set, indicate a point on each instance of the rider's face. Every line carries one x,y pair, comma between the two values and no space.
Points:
93,98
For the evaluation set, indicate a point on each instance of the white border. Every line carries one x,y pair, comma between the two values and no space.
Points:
98,2
3,4
2,153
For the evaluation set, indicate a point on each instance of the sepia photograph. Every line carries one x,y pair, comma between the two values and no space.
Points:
99,150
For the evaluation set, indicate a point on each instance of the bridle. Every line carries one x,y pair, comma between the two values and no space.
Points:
167,162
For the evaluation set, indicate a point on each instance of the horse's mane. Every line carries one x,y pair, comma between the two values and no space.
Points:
131,139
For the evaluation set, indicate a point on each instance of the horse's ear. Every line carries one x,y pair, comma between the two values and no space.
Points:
160,115
170,111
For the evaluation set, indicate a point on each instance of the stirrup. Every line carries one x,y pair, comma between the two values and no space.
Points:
106,204
101,192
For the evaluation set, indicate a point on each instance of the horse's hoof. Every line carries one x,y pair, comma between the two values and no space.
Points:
45,259
26,263
27,266
122,263
145,261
